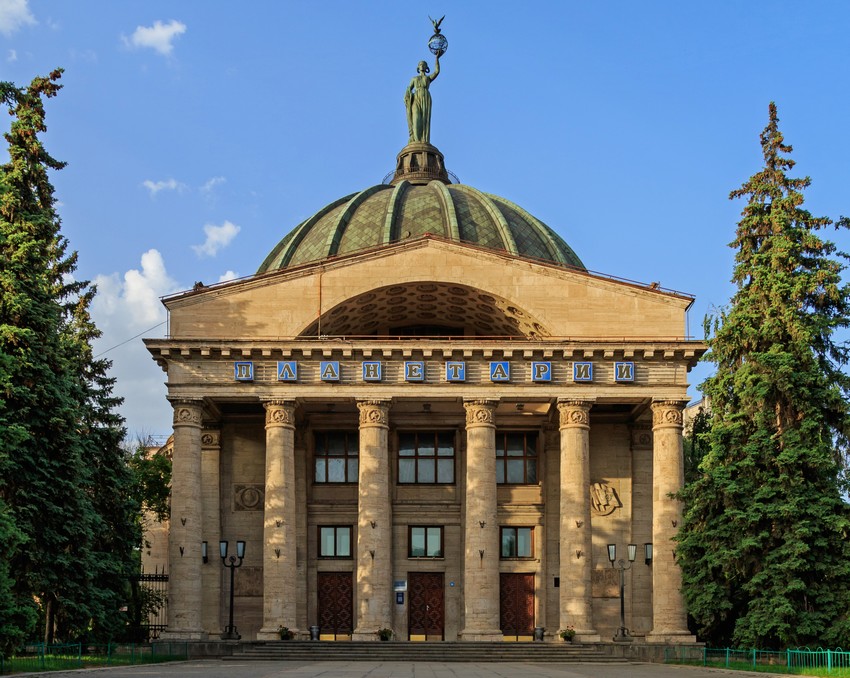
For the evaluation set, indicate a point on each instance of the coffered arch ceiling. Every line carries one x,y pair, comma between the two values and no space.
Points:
463,309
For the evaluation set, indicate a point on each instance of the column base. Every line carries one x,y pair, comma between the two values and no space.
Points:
485,635
362,634
670,637
587,637
184,634
274,634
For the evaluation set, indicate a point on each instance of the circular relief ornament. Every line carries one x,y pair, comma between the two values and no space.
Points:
187,415
209,439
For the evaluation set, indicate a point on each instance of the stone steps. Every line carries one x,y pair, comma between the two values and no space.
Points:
405,651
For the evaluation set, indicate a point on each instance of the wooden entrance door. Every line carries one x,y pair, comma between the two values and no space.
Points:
516,604
336,603
426,606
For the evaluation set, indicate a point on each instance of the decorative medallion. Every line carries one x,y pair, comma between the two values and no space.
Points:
210,438
249,497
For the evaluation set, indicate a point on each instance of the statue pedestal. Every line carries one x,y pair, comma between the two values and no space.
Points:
419,163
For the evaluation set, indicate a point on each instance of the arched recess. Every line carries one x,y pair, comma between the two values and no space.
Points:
456,309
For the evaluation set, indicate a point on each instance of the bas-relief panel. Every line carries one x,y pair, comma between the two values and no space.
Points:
248,582
605,582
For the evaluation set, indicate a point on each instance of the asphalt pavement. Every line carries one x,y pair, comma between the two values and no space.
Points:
214,668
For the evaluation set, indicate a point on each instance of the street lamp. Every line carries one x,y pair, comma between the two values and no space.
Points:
622,633
231,562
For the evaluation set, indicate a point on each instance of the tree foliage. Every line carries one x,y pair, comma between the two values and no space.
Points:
64,480
764,546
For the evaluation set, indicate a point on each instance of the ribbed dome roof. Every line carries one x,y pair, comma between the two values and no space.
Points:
385,214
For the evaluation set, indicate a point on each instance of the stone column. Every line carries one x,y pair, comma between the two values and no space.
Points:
211,508
481,528
669,619
576,593
374,523
185,530
279,553
301,474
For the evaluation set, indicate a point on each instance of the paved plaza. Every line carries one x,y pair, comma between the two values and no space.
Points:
318,669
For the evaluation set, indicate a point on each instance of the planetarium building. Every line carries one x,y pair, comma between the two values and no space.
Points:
424,414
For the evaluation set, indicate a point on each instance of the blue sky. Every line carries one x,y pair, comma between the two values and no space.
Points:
197,134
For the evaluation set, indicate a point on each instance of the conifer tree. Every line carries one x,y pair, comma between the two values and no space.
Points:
764,545
62,477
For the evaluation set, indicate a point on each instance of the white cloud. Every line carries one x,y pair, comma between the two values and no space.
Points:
218,237
13,15
127,305
13,56
168,185
158,37
227,276
208,187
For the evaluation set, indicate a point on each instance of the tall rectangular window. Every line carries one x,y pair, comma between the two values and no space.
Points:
426,458
517,542
516,458
335,541
336,456
425,542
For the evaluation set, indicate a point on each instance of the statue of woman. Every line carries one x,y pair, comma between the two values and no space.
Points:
417,101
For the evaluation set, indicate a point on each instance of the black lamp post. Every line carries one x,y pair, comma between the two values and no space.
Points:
622,633
231,562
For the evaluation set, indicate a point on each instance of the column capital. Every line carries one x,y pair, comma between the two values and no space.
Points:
279,412
210,438
187,411
667,413
374,412
480,411
574,413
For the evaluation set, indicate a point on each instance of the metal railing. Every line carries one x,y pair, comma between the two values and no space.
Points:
796,660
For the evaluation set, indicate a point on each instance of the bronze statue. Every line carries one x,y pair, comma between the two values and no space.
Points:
417,101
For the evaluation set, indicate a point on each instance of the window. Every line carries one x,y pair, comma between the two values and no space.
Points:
516,458
336,457
335,541
426,458
516,542
426,542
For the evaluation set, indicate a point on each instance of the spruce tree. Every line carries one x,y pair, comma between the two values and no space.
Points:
63,480
764,545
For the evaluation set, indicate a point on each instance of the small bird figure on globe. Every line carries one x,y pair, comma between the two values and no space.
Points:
438,43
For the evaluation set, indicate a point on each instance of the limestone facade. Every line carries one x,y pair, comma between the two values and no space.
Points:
445,487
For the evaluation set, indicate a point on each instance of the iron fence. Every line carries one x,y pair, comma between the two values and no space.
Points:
795,660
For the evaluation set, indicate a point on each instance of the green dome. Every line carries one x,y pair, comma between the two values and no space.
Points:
386,214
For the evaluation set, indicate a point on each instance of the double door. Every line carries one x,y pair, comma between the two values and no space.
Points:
516,605
336,604
426,606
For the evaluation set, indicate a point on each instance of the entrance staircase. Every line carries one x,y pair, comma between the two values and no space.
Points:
405,651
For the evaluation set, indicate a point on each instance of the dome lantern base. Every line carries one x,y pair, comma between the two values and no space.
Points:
420,163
